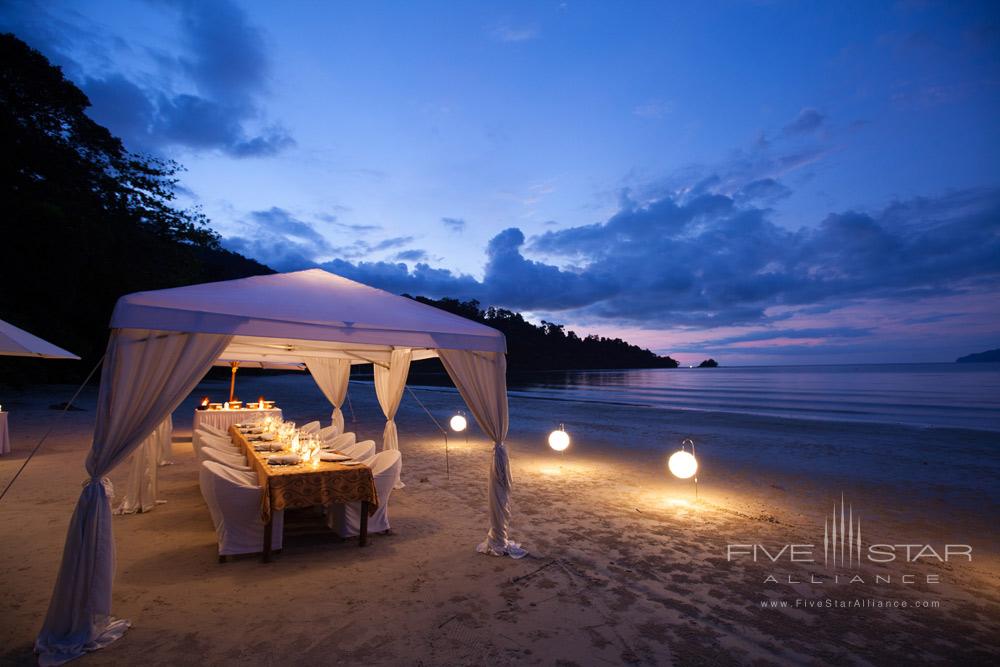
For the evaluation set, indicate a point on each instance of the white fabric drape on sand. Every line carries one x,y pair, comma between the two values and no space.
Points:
145,377
332,376
141,490
481,378
165,430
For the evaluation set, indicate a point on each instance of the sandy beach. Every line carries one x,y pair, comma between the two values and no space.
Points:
625,565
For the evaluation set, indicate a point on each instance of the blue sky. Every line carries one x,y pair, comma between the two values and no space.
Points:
763,182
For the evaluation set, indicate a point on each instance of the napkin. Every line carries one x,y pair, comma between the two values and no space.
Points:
284,460
331,456
268,447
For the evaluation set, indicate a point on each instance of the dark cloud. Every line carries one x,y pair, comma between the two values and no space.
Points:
808,121
454,224
398,278
707,260
413,255
222,67
825,333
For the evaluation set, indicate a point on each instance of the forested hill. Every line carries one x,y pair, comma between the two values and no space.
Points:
84,220
550,346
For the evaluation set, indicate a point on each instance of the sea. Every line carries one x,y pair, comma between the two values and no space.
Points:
935,395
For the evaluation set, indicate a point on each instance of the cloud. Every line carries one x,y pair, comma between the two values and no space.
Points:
653,110
509,33
203,96
707,259
413,255
454,224
808,121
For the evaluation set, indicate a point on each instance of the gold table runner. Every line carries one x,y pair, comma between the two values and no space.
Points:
302,485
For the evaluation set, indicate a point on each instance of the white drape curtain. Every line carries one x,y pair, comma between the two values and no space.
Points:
481,378
389,385
141,489
145,377
332,376
165,439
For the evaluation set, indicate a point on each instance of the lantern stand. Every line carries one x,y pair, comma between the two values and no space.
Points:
689,441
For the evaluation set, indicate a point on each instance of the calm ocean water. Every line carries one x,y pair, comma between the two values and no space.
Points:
956,395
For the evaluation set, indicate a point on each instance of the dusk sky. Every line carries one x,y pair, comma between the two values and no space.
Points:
761,182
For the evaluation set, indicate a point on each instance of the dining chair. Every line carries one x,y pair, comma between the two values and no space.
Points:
360,451
233,499
345,520
310,428
233,461
340,442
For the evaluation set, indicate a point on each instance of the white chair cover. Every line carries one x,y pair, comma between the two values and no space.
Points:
361,451
310,428
332,376
229,460
345,520
233,499
219,442
145,377
340,441
481,379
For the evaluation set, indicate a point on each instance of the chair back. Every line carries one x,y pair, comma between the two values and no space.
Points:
311,428
329,432
229,460
385,468
340,442
360,451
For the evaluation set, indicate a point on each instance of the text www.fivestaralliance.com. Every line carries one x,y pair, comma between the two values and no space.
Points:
855,603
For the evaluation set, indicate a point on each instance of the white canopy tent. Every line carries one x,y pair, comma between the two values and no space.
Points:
16,342
163,342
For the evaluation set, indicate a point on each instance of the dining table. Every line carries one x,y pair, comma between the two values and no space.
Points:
222,419
303,485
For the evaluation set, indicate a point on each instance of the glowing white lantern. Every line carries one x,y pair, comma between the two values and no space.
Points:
683,464
458,423
559,439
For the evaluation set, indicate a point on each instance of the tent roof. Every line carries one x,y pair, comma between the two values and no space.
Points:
288,316
16,342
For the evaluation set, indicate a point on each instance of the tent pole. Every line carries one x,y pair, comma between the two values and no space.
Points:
235,365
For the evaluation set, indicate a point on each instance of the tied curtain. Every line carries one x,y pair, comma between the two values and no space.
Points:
141,490
145,377
389,385
332,376
481,379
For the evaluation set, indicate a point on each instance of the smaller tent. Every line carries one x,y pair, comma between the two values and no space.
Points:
16,342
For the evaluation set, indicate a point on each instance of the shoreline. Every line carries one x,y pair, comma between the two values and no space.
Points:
625,565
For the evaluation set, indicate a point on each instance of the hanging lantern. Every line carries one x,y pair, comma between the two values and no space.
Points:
559,439
458,423
683,464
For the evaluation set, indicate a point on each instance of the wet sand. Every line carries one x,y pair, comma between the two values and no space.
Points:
626,566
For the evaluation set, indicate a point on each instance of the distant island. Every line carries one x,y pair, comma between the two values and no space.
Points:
709,363
989,356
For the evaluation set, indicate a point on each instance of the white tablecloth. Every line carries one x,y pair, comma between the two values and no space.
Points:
225,418
4,435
